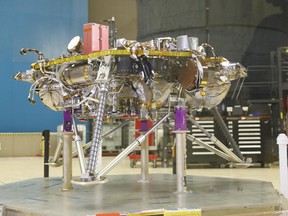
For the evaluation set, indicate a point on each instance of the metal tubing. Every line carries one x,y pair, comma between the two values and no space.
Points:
119,157
88,145
57,152
241,85
77,139
199,127
67,161
145,160
208,147
129,149
85,146
226,133
232,156
46,135
180,162
144,152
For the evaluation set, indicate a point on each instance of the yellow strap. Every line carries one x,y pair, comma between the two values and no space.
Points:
113,53
116,53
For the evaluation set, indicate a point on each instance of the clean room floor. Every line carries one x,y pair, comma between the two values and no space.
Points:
13,169
22,168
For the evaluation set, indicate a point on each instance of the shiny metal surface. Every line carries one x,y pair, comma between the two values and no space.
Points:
181,162
145,160
79,147
141,78
124,193
67,161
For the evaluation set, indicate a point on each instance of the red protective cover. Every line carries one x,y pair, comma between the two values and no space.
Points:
96,37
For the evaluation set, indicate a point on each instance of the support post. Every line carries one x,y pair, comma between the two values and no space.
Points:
282,142
46,136
129,148
67,151
144,152
79,146
180,131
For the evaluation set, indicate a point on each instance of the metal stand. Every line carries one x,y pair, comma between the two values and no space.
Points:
67,161
227,134
46,136
226,153
88,145
67,151
129,149
144,152
78,141
180,131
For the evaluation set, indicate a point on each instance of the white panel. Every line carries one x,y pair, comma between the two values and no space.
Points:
249,129
250,142
249,121
249,146
248,125
249,134
202,153
249,138
251,152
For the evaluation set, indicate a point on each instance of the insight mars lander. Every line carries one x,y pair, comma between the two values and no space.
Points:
103,76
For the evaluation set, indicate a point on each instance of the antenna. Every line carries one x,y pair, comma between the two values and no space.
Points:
207,10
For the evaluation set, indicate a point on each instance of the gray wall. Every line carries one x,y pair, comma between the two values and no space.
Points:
124,12
242,30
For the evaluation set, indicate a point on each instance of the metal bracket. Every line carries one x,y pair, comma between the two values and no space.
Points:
104,69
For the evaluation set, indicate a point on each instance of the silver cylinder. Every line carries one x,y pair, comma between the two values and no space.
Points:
81,157
78,141
57,152
145,160
182,43
67,161
181,161
75,75
193,43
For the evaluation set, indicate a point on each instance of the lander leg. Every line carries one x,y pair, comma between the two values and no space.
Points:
227,133
180,131
88,145
227,154
79,147
102,78
129,149
144,153
56,161
96,138
67,151
67,160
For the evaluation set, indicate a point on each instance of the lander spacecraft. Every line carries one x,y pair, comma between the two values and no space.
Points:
102,76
